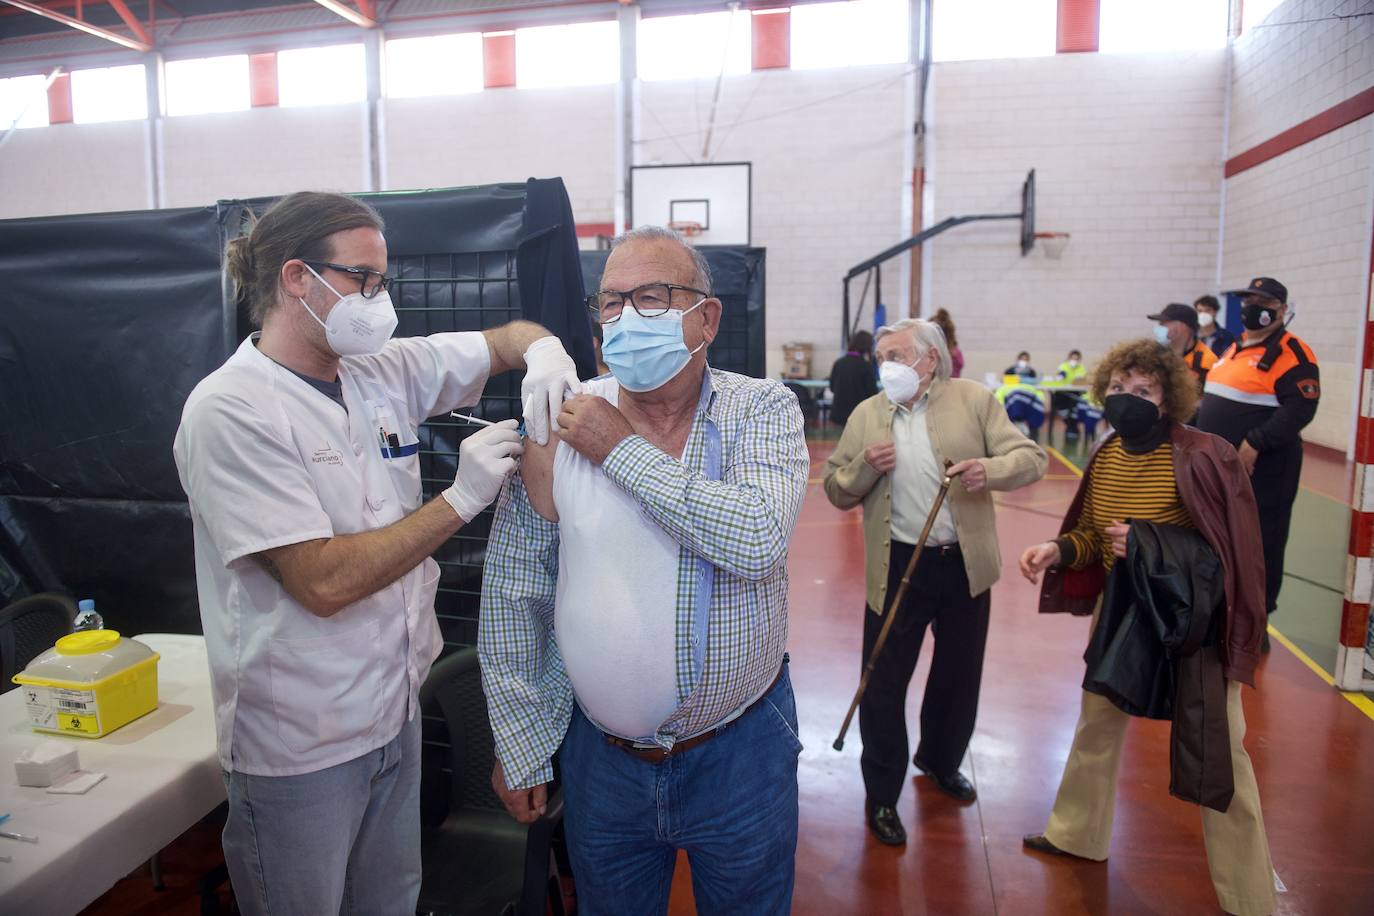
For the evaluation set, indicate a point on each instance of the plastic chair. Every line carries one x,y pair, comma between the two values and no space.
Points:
28,628
479,860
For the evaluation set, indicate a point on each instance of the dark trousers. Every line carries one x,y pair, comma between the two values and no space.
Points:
937,597
1276,487
1067,402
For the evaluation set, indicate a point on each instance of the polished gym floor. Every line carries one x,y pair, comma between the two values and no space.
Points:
1313,749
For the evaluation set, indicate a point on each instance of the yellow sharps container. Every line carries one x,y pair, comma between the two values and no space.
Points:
90,684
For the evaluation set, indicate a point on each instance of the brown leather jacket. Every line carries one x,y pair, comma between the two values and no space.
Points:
1215,490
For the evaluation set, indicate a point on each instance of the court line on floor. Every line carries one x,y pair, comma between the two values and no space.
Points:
1062,460
1361,702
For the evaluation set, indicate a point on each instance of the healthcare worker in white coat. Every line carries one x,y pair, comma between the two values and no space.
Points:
312,551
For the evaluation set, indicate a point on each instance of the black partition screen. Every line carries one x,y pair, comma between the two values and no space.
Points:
738,274
112,319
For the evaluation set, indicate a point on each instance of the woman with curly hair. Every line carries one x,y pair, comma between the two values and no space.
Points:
1156,469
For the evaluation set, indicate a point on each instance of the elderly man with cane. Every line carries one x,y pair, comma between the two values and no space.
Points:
898,454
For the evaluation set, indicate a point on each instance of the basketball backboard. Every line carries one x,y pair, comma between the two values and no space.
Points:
714,195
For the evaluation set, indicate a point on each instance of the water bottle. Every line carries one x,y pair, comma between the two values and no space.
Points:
87,618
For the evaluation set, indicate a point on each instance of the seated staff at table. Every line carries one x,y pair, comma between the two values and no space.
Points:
1065,403
1022,368
312,548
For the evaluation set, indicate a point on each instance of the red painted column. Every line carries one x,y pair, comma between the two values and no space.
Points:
772,34
1077,26
60,99
262,80
498,60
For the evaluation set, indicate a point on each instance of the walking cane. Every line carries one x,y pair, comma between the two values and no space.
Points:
896,603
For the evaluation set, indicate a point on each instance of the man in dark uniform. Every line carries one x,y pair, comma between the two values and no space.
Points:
1259,396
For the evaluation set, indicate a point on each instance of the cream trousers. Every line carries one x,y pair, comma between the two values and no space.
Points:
1237,848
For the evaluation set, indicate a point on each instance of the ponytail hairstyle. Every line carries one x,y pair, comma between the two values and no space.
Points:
297,226
946,323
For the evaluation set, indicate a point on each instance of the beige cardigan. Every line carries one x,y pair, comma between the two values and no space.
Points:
964,420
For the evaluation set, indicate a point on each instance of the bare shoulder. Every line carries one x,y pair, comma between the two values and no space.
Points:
536,470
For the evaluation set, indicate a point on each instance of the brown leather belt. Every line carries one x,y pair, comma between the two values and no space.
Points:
658,755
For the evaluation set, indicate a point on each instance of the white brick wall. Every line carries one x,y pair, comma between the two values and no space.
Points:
1285,74
1127,152
826,148
263,152
74,168
508,135
1305,217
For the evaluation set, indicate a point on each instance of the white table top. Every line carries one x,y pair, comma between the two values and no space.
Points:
162,776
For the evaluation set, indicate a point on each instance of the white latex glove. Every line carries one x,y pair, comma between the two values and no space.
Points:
485,460
549,374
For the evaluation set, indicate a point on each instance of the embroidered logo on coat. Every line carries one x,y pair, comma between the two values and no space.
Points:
327,455
1310,388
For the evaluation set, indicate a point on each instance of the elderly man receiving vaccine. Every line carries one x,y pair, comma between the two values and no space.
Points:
634,607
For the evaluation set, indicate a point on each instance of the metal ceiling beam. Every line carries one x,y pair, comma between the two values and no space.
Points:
80,25
132,22
343,9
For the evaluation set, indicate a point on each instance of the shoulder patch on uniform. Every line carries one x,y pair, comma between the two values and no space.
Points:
1310,388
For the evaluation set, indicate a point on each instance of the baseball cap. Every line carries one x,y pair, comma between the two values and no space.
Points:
1177,311
1267,287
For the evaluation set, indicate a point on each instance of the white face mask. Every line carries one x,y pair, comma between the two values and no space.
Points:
356,326
901,382
1073,364
1205,319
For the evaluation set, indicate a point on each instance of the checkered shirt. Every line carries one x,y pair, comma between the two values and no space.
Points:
731,504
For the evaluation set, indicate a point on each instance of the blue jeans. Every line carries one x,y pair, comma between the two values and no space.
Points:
341,840
730,802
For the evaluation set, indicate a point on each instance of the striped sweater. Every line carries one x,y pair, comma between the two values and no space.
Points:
1123,486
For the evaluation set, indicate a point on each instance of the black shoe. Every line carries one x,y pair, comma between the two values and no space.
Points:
886,825
1039,843
952,784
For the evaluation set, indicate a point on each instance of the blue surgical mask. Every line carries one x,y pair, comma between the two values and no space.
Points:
1162,335
646,353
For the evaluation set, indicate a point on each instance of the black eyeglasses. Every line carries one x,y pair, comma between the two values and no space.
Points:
650,300
369,281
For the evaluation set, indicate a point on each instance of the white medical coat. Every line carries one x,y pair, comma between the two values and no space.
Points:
267,460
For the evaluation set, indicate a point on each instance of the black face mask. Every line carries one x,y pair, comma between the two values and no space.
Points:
1132,416
1257,317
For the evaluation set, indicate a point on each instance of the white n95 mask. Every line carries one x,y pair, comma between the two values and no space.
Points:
356,326
900,381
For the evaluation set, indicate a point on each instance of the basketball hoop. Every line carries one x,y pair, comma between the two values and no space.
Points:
687,228
1053,243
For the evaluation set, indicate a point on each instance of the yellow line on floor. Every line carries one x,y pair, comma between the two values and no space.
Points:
1358,700
1064,461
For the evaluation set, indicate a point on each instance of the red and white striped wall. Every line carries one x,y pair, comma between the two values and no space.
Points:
1359,564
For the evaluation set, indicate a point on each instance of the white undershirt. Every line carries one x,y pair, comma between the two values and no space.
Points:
916,479
615,612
